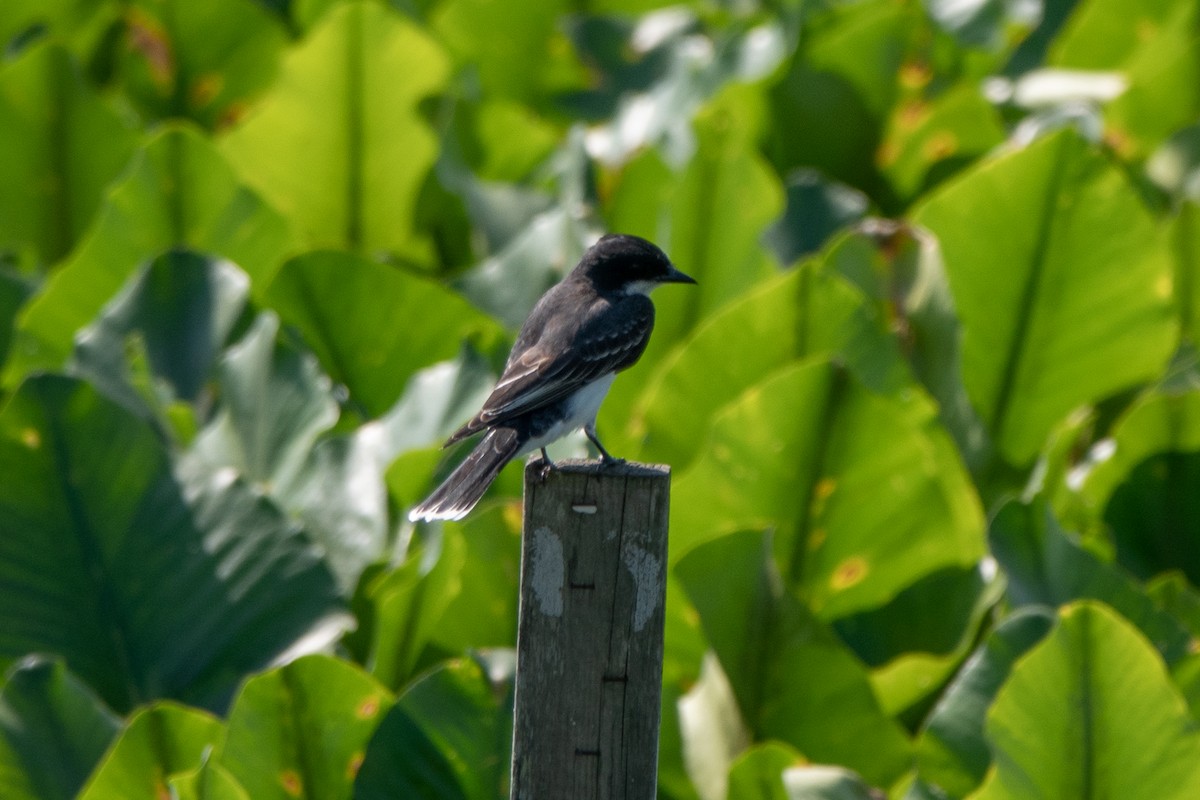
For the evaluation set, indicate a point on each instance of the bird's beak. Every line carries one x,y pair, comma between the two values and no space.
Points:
675,276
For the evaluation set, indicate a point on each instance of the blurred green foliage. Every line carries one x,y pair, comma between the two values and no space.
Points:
933,410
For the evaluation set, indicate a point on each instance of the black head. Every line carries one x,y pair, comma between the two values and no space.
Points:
619,262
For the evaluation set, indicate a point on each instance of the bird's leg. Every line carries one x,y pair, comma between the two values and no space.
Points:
605,457
547,464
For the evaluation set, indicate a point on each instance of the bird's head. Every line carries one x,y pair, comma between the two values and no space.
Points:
623,263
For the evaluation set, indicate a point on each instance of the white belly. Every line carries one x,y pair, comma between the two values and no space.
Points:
582,411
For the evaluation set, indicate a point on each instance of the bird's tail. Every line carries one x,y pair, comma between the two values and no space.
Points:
459,493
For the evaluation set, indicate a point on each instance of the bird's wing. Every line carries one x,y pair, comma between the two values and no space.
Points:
607,340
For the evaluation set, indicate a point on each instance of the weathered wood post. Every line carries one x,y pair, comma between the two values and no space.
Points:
590,637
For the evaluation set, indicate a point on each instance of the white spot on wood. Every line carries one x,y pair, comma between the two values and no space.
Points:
549,572
584,508
645,568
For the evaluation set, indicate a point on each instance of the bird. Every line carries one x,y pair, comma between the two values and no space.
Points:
585,329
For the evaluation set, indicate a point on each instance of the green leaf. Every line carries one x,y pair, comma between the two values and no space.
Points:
345,107
144,592
952,754
1045,566
1091,712
183,307
158,742
208,782
1153,46
758,773
61,144
1140,483
372,325
274,404
1059,307
408,606
789,673
448,737
301,731
804,312
509,46
204,61
13,293
865,503
179,192
816,209
53,731
80,26
829,107
927,141
709,220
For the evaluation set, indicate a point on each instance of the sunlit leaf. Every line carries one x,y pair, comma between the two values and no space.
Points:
952,754
448,737
204,61
302,730
789,673
854,487
158,741
1153,45
60,145
179,192
371,325
1091,711
1059,307
345,107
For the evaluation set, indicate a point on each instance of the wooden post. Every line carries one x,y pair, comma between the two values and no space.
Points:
590,637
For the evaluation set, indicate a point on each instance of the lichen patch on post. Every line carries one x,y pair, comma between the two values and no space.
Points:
646,569
549,572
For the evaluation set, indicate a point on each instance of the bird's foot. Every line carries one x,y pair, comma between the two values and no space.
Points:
547,466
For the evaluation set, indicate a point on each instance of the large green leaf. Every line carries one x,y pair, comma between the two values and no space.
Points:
1046,566
1153,45
301,731
928,141
53,732
447,737
511,46
204,61
345,107
1059,307
952,754
209,781
60,145
1091,712
408,605
178,193
864,502
144,592
789,673
372,325
158,742
1143,485
275,403
709,219
805,312
830,105
758,773
181,308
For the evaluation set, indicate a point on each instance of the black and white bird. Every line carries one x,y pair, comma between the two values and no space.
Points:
582,332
